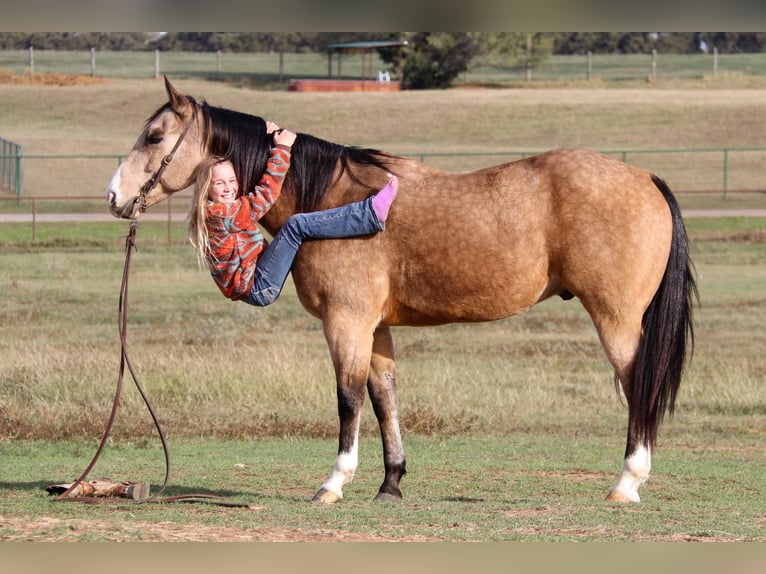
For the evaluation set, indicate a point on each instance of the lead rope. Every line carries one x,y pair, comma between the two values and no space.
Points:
130,246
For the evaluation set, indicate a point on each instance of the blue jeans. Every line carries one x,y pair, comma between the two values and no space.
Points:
274,263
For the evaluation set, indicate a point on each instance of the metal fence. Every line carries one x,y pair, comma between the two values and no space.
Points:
10,166
35,216
81,179
719,169
279,67
713,169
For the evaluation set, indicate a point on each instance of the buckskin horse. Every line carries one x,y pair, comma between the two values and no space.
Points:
569,222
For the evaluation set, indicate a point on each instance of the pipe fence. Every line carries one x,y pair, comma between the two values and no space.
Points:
720,172
687,169
10,166
34,216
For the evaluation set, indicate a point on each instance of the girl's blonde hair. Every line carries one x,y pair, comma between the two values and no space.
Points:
198,235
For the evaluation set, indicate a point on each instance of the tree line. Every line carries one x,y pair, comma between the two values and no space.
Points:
429,59
483,42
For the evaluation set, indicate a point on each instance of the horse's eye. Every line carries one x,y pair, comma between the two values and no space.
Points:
153,138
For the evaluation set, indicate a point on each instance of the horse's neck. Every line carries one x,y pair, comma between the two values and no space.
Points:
276,216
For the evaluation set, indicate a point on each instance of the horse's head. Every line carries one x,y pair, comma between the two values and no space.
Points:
162,160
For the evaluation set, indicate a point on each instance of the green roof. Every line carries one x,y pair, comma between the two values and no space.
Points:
367,45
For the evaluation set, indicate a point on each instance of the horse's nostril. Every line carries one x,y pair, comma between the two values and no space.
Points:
111,197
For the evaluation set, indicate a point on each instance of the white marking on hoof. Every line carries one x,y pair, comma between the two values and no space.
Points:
345,468
635,472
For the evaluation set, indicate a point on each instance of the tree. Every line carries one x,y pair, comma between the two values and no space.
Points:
735,42
433,59
508,50
584,42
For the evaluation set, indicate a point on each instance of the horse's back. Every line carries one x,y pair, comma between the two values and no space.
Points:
491,243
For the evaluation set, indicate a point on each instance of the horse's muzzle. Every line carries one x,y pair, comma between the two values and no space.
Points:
129,210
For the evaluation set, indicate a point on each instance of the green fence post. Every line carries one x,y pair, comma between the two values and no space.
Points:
19,173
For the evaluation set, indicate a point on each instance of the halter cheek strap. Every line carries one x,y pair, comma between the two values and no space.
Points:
139,204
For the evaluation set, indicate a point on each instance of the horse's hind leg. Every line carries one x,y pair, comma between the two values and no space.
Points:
620,339
381,385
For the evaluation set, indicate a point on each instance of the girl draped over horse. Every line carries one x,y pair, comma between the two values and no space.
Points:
223,228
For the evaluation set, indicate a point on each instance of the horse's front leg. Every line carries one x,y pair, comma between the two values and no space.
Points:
381,385
350,345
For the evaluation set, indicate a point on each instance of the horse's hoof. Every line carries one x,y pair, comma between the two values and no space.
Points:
387,497
615,496
325,497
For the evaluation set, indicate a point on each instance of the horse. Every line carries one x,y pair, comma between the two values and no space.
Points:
458,247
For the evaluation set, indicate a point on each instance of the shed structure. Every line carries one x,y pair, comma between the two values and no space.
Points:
369,82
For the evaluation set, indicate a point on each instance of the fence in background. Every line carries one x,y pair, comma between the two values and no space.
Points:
749,171
718,169
35,217
756,178
280,67
10,166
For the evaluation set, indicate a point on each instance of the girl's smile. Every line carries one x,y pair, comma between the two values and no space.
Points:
223,183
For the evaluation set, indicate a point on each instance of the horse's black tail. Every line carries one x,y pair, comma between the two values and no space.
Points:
668,334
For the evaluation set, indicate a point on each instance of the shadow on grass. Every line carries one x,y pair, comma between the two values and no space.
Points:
206,495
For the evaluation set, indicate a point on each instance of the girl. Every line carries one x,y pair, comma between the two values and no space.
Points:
223,229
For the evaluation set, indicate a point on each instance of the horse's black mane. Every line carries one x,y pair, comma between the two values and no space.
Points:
242,138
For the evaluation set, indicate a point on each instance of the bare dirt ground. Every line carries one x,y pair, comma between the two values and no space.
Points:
7,77
51,529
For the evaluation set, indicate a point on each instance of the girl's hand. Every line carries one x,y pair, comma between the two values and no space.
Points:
281,135
284,137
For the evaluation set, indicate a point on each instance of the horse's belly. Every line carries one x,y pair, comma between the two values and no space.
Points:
466,297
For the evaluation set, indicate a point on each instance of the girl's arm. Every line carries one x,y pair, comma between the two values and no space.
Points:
268,189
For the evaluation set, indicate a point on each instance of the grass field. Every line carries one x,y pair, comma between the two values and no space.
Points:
513,428
477,127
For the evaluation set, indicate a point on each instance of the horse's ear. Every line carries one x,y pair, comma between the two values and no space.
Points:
178,101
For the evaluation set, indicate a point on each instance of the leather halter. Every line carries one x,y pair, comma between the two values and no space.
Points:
139,203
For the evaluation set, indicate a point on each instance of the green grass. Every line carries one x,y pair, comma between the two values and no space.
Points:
530,487
18,235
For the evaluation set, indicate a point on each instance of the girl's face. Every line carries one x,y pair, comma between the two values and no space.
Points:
223,183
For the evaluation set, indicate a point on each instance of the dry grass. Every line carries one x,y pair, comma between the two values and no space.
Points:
217,368
106,118
542,370
8,77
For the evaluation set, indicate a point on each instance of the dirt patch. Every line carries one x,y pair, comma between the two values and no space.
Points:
747,236
578,475
527,512
7,77
72,530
